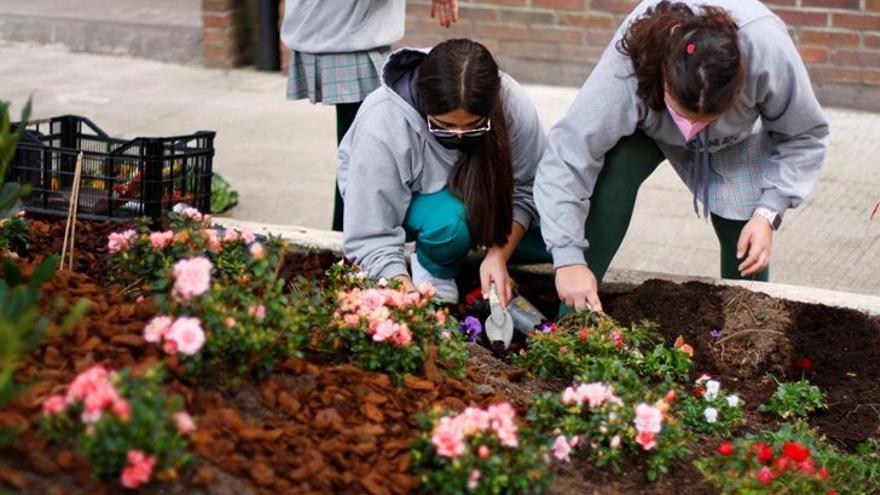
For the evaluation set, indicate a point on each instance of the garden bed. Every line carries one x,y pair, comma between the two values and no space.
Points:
320,425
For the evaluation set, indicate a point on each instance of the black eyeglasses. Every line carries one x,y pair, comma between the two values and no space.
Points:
443,132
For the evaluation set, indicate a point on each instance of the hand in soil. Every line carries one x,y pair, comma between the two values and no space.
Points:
578,288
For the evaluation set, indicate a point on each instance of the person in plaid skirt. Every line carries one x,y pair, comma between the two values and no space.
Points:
716,87
338,48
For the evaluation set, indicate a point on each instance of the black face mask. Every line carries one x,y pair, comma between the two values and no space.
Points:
464,143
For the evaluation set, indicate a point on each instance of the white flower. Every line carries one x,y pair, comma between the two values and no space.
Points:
712,389
703,378
733,401
711,415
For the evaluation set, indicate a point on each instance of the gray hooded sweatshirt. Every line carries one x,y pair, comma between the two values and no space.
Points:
767,151
333,26
388,155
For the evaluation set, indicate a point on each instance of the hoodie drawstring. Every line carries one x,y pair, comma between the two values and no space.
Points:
700,175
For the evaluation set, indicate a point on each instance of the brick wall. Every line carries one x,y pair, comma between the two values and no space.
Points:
558,41
221,37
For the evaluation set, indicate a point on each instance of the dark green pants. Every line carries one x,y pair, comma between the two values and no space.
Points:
345,114
627,166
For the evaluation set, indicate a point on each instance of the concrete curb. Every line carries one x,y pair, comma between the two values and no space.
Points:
615,280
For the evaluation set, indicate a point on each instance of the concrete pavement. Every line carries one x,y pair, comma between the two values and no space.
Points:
281,156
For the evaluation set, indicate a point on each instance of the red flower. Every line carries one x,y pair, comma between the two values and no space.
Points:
725,448
807,466
670,396
823,474
803,364
831,492
795,451
473,296
764,451
583,335
765,476
782,464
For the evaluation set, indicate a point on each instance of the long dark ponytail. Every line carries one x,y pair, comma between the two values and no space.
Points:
700,60
461,73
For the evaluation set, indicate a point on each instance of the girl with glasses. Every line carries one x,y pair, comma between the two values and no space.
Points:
443,154
716,87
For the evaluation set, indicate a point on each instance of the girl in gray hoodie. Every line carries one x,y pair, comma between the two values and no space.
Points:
444,153
716,87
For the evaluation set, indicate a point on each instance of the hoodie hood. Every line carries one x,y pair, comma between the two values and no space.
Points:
399,74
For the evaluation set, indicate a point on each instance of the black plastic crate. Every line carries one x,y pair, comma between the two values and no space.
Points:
121,179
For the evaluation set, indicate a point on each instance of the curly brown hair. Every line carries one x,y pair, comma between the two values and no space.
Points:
694,56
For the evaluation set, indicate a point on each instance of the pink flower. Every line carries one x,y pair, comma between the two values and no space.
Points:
157,328
483,452
615,442
87,383
161,239
118,242
441,317
646,440
385,331
185,423
192,277
561,449
765,476
257,251
617,338
54,405
448,439
213,238
258,312
648,418
138,470
595,393
473,420
570,396
474,480
122,410
248,235
372,299
501,420
170,347
187,334
427,290
185,210
403,335
352,320
231,235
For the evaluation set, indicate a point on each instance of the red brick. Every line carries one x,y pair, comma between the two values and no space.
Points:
868,22
530,50
477,13
421,10
802,18
501,31
560,4
774,3
832,38
871,77
872,40
834,4
556,34
527,17
616,6
212,37
812,55
600,38
419,40
872,4
220,53
835,74
502,2
855,58
587,20
217,20
581,54
218,5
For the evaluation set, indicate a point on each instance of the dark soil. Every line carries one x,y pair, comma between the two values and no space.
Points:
323,427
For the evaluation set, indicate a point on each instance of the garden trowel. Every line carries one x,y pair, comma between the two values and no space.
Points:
499,325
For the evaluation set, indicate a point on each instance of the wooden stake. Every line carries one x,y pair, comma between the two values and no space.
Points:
70,227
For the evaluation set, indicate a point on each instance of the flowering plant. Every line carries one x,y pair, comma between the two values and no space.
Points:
13,234
766,464
125,425
794,400
573,347
710,409
608,423
481,451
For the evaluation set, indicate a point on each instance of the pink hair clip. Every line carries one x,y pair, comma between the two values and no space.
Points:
691,48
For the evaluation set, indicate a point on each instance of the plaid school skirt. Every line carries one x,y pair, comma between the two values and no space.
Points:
334,78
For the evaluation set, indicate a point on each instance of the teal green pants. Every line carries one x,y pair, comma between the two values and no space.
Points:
438,225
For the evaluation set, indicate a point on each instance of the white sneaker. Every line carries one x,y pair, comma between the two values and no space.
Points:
446,290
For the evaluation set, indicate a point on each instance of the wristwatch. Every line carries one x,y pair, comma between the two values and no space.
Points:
771,216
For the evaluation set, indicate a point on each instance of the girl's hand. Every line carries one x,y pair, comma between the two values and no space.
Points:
755,240
577,287
446,10
494,269
406,283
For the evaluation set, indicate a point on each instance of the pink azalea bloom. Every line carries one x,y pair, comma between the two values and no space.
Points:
231,235
158,240
448,439
138,470
615,442
192,213
617,338
474,480
569,396
646,440
352,320
372,299
396,299
648,418
379,315
192,277
54,405
157,328
213,238
427,290
187,334
441,317
258,312
473,420
170,347
122,410
765,476
411,299
118,242
140,299
185,423
248,235
501,420
483,452
594,393
385,331
561,449
257,251
382,282
403,335
87,383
